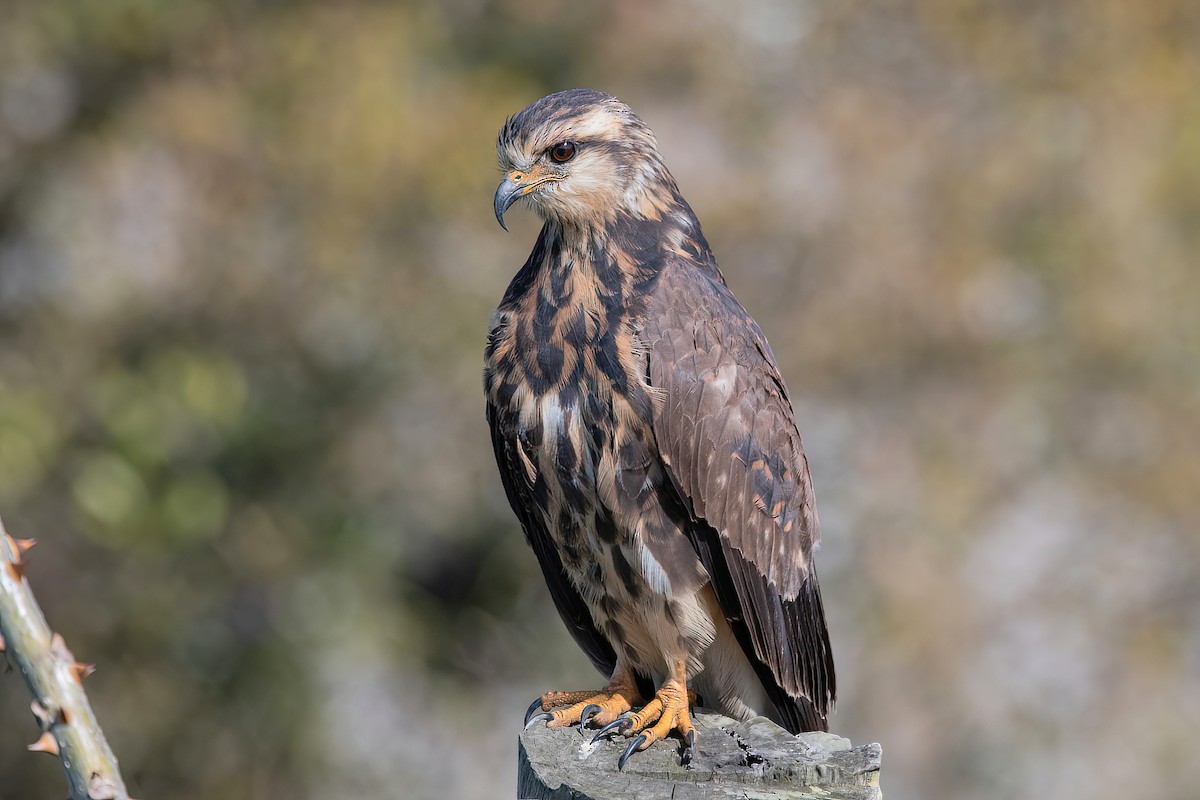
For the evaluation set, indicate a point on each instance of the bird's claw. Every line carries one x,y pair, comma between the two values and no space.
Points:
589,711
534,706
630,750
689,748
618,725
667,710
545,716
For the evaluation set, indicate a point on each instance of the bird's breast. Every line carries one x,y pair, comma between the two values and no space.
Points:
564,425
569,398
576,409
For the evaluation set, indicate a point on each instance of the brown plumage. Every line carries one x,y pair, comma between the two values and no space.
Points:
646,441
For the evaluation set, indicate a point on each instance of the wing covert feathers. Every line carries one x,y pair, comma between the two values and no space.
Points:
725,429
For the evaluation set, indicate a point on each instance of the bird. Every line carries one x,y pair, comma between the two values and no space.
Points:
647,444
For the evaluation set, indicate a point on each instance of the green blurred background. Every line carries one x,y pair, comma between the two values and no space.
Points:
247,257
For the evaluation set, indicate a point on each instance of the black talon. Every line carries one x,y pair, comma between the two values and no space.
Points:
589,711
534,706
633,746
544,716
618,725
689,749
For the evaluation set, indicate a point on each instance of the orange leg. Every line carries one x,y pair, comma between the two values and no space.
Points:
670,710
560,709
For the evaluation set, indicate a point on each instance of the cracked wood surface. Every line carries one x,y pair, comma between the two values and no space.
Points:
747,761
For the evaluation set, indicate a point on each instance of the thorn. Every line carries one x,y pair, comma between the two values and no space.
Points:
58,646
46,744
16,569
25,545
3,646
81,670
43,715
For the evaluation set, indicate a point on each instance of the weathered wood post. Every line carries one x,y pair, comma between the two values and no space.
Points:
747,761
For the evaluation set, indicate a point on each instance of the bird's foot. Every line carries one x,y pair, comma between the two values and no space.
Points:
668,711
561,709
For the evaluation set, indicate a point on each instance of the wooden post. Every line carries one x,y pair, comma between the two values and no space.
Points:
747,761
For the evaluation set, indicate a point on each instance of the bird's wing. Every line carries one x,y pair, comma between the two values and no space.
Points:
724,427
520,491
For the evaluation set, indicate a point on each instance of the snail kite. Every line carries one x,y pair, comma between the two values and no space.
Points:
646,443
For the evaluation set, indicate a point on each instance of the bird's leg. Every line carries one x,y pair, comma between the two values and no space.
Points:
560,709
668,711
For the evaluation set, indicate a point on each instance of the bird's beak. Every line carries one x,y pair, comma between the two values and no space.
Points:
518,183
506,194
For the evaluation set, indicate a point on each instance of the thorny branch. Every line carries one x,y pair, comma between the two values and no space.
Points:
55,679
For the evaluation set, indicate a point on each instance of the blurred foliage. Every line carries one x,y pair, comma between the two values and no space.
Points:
247,258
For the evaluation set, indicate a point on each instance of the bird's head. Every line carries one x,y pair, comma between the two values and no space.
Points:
579,157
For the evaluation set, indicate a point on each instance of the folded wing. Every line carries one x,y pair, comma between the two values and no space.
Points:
725,430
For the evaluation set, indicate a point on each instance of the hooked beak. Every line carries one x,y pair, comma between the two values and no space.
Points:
506,194
517,184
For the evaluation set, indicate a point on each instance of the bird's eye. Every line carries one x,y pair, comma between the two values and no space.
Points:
562,152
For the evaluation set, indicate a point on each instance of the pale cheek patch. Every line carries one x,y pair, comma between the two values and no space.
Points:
589,189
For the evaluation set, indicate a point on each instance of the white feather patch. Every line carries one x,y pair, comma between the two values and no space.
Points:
729,683
652,571
552,416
